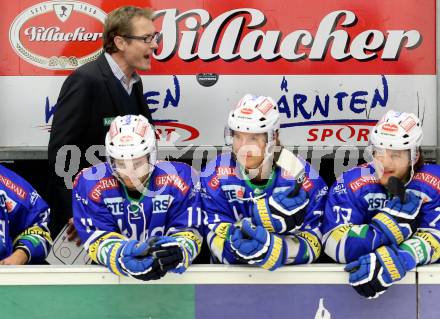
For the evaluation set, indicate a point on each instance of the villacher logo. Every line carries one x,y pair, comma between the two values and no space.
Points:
40,34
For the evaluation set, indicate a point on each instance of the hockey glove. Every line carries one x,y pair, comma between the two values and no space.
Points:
372,274
398,220
170,254
133,258
255,245
281,212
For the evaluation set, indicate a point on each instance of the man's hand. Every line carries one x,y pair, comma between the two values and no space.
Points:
18,257
72,234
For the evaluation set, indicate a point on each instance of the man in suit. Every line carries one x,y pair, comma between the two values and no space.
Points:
93,95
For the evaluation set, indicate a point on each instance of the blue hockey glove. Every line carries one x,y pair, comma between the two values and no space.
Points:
372,274
133,259
255,245
170,254
281,213
399,220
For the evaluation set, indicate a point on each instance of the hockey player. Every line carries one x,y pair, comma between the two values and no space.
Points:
257,212
139,217
24,215
372,223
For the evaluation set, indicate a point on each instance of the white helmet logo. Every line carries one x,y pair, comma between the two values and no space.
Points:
126,139
390,129
247,111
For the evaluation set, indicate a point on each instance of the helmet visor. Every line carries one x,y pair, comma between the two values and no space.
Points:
228,135
134,173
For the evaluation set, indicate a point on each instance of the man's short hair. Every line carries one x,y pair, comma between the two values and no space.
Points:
119,22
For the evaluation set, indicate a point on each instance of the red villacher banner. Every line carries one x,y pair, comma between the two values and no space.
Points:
233,37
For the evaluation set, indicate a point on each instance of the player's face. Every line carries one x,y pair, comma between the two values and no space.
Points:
133,172
391,163
137,54
249,148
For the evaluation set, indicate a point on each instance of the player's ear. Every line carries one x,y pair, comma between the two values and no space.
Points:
417,156
120,42
277,137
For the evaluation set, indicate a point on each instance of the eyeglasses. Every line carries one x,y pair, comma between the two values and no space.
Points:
146,38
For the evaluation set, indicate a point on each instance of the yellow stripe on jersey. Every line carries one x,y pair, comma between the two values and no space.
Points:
94,248
313,242
189,236
113,261
221,233
340,232
432,241
222,230
34,230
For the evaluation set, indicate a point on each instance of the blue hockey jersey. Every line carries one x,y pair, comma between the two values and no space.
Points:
227,197
24,217
104,212
357,196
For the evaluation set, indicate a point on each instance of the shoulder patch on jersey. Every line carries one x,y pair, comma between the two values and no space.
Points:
307,184
6,202
362,181
173,180
339,189
13,187
103,185
429,179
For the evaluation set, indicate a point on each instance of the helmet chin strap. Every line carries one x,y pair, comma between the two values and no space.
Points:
413,158
411,174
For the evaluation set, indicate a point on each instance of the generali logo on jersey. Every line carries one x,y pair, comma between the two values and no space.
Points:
41,34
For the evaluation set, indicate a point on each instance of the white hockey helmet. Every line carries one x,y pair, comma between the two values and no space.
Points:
129,138
254,114
398,131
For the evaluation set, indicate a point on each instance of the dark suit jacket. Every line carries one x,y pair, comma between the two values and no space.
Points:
89,99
